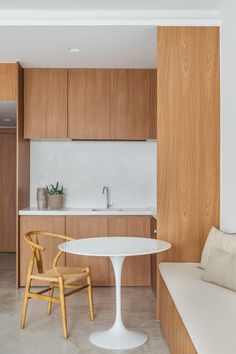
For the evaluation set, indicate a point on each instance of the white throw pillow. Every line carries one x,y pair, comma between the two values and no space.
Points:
220,240
221,269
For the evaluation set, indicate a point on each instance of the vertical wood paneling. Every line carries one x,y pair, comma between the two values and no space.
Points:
88,104
22,166
136,270
153,99
172,326
130,104
8,81
89,226
8,191
45,103
188,138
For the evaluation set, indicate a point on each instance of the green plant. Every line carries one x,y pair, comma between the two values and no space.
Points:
55,189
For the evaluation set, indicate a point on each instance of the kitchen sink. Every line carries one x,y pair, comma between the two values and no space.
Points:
107,209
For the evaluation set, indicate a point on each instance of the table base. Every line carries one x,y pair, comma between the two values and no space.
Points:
118,338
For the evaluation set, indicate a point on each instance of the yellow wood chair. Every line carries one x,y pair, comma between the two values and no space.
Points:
58,277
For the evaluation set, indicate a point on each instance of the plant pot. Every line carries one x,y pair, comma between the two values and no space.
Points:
55,201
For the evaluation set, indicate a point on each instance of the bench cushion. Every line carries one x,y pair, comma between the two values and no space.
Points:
208,311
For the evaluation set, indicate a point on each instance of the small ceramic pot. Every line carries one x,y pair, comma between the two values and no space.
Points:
55,201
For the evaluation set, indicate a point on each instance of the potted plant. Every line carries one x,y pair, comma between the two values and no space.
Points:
55,196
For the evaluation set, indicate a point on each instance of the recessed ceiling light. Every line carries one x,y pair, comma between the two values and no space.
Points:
74,50
7,120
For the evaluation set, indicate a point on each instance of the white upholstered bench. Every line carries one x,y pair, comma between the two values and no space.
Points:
207,311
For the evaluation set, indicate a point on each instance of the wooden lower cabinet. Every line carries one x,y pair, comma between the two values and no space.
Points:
89,226
45,223
136,270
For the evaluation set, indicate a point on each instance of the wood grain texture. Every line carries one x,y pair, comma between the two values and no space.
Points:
8,191
130,104
40,223
154,257
172,326
188,138
8,81
89,226
153,99
88,104
45,103
136,270
22,167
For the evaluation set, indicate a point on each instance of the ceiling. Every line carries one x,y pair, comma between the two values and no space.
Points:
43,39
99,46
110,5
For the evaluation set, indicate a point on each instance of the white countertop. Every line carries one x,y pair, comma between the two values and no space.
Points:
88,211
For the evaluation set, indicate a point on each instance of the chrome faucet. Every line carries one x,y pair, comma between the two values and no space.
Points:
105,189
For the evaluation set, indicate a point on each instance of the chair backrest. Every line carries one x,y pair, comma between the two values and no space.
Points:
32,238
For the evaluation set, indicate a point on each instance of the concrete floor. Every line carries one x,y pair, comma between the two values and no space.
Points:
43,333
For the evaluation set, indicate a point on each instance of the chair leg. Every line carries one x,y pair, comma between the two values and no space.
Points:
50,302
63,307
90,297
25,303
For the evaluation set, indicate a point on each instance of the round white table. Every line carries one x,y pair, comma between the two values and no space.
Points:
117,248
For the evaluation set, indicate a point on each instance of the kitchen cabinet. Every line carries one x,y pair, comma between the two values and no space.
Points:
89,226
45,223
130,110
45,103
136,270
8,190
88,104
103,104
8,81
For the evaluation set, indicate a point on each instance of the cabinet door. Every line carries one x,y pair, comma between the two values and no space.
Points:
8,81
89,226
88,104
42,223
136,270
8,191
130,104
45,103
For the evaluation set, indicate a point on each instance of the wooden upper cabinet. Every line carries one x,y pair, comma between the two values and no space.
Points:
8,81
130,104
45,103
88,104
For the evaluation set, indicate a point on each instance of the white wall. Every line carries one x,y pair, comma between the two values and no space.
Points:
228,116
128,168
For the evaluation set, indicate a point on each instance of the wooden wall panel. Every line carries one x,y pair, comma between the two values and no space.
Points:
188,138
8,190
22,167
130,104
43,223
153,98
89,226
8,81
172,326
45,103
136,270
88,104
